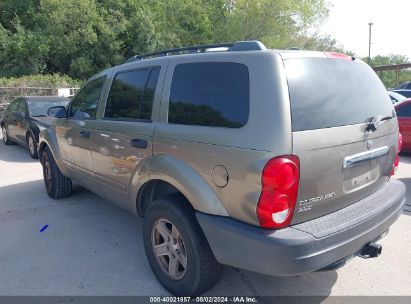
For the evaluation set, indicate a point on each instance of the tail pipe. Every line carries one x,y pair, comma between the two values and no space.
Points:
371,250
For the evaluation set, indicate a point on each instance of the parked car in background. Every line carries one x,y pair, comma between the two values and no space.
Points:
404,86
403,110
405,93
396,97
25,117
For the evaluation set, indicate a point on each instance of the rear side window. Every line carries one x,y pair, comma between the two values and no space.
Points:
131,95
213,94
327,93
404,111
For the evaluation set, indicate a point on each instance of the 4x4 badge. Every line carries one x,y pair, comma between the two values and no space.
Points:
370,143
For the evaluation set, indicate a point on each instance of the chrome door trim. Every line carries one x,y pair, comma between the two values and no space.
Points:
354,160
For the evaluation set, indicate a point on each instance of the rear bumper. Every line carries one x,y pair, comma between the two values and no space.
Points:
309,246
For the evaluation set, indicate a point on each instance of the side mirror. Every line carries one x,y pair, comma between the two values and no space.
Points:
58,112
20,114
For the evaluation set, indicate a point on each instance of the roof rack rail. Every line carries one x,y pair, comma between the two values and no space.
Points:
237,46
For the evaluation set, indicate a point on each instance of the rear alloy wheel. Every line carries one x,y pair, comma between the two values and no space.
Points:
177,249
57,185
32,145
6,138
168,247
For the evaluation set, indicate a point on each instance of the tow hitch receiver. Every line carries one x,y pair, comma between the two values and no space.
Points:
371,250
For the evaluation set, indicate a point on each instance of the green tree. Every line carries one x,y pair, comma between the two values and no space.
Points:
274,22
389,77
81,37
318,43
22,52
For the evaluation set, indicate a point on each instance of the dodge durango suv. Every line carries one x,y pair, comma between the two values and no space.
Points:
277,162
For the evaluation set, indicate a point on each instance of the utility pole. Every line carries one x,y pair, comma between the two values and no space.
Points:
369,43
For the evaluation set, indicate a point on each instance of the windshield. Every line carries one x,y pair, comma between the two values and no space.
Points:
39,108
326,93
395,97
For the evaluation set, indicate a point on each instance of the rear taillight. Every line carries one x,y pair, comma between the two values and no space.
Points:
279,180
397,157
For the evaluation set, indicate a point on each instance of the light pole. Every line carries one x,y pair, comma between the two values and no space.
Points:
369,42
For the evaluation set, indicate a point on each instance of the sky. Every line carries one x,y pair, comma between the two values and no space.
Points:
348,23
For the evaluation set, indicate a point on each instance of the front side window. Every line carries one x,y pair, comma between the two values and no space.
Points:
213,94
84,105
131,95
13,105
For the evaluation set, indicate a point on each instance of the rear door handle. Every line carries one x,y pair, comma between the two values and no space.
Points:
139,143
85,134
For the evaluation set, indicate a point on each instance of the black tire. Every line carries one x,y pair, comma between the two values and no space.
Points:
57,185
202,270
32,145
6,138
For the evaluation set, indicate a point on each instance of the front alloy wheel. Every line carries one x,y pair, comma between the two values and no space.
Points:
46,172
57,185
168,247
6,138
32,145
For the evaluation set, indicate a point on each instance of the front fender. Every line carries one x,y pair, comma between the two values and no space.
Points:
190,183
47,137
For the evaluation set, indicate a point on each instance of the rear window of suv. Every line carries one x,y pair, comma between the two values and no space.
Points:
327,93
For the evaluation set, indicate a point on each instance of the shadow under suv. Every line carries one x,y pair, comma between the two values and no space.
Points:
277,162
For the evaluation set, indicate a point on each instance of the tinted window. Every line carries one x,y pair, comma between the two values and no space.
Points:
13,106
210,94
328,93
22,106
404,111
131,95
85,103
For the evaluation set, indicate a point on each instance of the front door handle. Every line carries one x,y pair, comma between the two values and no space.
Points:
139,143
85,134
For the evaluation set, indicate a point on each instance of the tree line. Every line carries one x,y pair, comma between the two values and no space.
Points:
81,37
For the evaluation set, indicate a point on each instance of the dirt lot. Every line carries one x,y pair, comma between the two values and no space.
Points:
92,247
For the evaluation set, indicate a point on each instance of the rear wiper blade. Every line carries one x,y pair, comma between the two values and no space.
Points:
376,121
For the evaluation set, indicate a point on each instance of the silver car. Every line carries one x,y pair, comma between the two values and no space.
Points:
277,162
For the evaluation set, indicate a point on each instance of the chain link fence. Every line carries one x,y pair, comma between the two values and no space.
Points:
7,94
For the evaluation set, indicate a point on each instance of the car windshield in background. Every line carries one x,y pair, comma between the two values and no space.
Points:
39,108
327,93
395,97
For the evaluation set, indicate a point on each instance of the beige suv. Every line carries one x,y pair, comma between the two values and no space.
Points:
277,162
